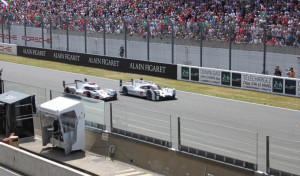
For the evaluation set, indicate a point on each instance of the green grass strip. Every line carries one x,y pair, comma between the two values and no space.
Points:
217,91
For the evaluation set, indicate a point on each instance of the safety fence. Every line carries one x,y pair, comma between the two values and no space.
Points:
221,143
226,144
283,156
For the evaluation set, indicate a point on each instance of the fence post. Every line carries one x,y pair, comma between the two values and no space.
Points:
148,41
8,22
125,37
111,122
25,33
265,49
50,32
104,31
1,81
256,167
172,36
67,25
179,137
43,45
267,156
170,144
201,43
230,44
50,94
85,44
2,27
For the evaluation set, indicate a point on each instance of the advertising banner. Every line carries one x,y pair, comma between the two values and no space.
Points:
236,80
225,78
195,74
8,49
185,73
209,75
278,85
290,87
111,63
257,82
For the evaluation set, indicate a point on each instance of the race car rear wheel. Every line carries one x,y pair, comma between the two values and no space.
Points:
125,91
67,90
149,95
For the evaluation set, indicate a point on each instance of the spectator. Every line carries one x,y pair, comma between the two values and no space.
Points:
244,16
122,51
290,73
277,71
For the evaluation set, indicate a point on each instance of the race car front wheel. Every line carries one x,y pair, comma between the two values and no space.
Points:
125,91
89,94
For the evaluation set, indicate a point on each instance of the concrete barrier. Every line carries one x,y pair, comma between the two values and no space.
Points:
29,164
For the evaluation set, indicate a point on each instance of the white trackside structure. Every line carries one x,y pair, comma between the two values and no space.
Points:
146,89
62,124
89,89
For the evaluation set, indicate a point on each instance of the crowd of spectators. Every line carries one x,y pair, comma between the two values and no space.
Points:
244,19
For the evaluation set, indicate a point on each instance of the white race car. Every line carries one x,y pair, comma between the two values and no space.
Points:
89,89
146,89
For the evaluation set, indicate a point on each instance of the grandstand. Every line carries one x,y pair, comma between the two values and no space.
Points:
187,17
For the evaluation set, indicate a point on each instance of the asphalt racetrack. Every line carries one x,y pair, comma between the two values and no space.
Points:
265,120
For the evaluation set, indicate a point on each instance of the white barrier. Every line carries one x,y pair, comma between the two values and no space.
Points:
6,48
250,81
29,164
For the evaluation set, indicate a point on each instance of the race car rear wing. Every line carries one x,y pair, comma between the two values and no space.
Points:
135,82
75,82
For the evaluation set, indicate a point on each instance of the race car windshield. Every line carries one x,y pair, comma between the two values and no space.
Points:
156,87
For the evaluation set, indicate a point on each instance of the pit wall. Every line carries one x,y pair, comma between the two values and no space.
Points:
29,164
159,159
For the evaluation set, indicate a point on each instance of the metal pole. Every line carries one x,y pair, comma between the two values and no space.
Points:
67,24
179,138
111,122
43,45
172,36
104,44
24,31
267,156
50,32
125,38
148,42
230,44
50,94
2,27
85,44
8,22
265,49
170,131
201,44
256,167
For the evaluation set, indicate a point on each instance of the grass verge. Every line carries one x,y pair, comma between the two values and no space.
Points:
217,91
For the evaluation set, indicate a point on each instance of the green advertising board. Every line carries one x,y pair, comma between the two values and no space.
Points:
278,85
290,87
225,78
185,73
194,74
